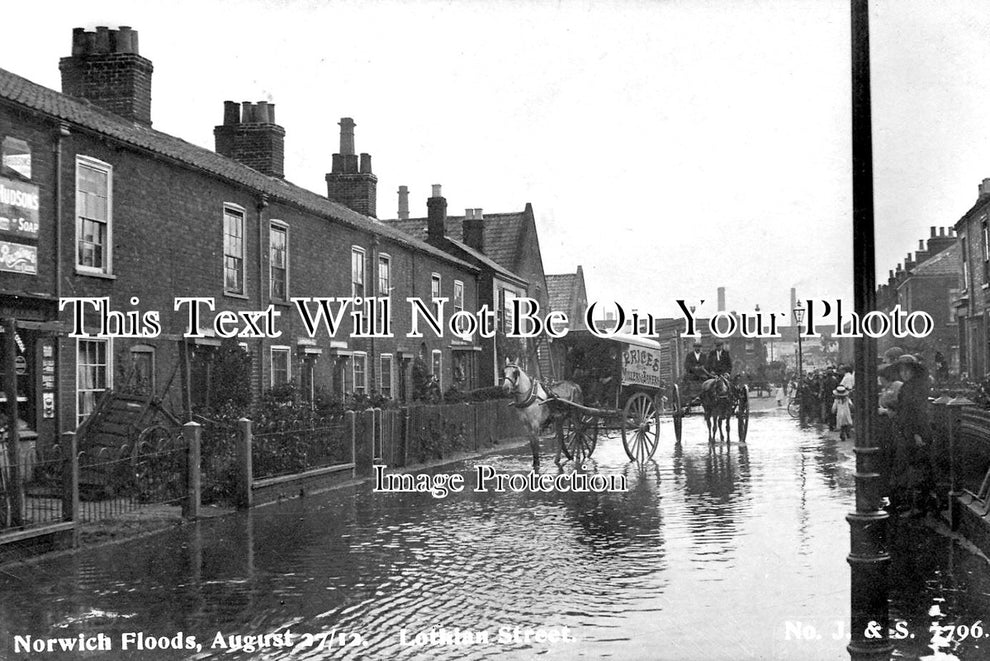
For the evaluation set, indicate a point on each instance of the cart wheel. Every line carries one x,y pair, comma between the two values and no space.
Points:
580,437
640,427
742,413
794,408
678,411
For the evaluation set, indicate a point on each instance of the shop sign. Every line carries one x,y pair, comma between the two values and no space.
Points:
19,204
641,367
18,258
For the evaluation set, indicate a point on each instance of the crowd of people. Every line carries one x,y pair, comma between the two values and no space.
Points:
904,432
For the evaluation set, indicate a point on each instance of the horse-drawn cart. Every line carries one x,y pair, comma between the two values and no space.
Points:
620,380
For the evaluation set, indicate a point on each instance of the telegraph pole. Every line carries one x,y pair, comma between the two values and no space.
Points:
868,558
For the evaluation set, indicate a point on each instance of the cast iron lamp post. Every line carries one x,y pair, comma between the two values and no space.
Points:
798,319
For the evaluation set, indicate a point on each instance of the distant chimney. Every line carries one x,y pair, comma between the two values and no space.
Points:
721,299
984,189
474,229
106,69
403,202
793,301
436,216
250,136
350,180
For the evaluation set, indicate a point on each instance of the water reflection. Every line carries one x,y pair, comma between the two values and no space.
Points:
708,554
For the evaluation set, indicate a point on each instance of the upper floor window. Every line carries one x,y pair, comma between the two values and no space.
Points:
986,251
233,250
94,204
435,290
357,272
507,297
384,276
278,246
459,304
965,262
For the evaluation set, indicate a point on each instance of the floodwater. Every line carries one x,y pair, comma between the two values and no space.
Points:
732,552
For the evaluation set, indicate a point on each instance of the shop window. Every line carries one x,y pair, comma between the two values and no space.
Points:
385,388
16,157
94,204
281,369
93,375
278,242
233,250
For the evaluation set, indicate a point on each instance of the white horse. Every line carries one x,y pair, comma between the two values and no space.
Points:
530,398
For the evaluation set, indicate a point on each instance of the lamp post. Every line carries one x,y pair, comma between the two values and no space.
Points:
798,319
868,556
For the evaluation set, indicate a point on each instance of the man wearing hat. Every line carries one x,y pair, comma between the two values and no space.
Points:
694,364
719,360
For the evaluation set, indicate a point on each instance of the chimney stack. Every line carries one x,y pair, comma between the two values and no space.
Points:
436,216
937,244
983,189
250,136
403,202
105,68
350,180
474,229
721,299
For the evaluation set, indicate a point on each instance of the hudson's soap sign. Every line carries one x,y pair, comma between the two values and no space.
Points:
641,366
18,208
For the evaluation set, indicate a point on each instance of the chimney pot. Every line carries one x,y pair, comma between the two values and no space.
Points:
78,42
102,40
346,136
933,232
436,190
365,167
261,113
125,42
271,113
921,244
247,112
231,113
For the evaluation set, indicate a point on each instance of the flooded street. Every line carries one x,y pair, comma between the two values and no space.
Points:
723,553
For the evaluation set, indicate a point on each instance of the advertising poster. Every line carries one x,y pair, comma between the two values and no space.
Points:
495,330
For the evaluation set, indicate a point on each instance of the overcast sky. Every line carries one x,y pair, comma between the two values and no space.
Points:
668,147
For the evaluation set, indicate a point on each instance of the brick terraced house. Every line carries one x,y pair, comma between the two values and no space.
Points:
94,202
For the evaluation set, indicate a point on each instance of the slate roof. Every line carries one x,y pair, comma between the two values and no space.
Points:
487,261
82,113
503,234
562,288
947,262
